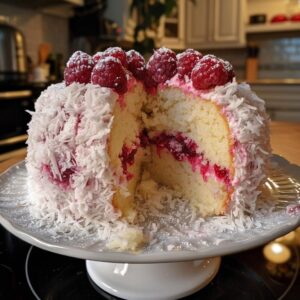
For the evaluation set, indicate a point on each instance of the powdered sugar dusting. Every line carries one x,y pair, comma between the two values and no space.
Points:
78,58
162,65
102,62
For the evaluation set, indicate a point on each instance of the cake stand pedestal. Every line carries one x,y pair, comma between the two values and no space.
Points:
164,281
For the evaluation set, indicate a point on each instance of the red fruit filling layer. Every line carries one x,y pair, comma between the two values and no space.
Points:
184,148
128,152
64,181
127,159
144,138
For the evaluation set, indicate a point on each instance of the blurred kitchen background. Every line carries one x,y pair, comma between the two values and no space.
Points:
260,37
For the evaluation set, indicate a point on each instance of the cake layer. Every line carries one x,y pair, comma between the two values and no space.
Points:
208,195
201,120
178,162
192,151
124,148
248,134
185,149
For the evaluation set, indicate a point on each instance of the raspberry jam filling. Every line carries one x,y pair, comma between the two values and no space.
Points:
128,152
127,159
184,148
144,138
64,181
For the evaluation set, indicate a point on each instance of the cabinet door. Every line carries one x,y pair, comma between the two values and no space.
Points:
229,21
172,27
197,22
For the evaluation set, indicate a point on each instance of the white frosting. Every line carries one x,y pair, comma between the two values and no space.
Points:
69,129
248,122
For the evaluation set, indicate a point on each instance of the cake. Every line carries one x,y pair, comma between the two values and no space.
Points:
183,118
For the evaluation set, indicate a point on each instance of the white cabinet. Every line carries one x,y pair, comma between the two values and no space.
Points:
205,24
229,21
197,22
172,30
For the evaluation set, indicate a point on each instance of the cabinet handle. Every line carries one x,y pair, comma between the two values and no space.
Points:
15,94
13,140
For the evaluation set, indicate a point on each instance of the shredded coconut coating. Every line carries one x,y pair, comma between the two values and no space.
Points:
69,132
69,129
248,123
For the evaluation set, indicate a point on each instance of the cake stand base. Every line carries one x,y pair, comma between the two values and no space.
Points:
162,281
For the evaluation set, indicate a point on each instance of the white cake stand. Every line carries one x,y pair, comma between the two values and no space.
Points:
150,274
153,281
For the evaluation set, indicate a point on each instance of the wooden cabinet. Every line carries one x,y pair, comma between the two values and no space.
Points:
205,24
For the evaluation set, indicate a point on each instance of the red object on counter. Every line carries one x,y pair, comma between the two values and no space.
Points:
279,18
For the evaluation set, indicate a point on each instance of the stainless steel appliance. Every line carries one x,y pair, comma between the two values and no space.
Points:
13,65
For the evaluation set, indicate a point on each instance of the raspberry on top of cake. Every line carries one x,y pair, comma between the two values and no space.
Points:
183,118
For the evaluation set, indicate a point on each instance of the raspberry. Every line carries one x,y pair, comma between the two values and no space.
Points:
209,72
116,52
162,65
149,83
229,68
136,64
79,68
186,61
97,56
110,73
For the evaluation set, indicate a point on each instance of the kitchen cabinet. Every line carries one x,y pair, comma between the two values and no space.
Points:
205,24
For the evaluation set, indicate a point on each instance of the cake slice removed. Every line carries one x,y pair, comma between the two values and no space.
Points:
191,149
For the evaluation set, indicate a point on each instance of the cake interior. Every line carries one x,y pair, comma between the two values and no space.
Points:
190,149
189,143
124,149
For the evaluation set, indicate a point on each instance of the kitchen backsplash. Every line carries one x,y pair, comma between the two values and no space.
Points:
279,57
39,28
